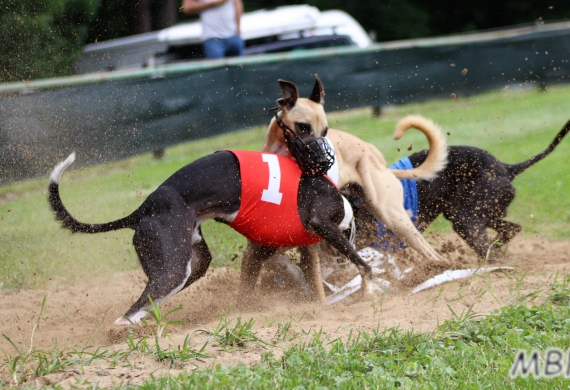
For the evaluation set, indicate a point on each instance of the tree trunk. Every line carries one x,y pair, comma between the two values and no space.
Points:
139,16
166,14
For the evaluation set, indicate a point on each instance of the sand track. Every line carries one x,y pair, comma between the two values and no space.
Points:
81,312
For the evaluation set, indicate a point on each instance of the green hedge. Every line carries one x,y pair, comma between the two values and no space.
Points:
42,38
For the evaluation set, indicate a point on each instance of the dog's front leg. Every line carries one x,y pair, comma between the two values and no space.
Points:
386,198
311,267
330,232
252,260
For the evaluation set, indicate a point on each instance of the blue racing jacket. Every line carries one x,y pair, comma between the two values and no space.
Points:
385,238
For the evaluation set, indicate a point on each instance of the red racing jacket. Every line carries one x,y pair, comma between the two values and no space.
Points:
268,212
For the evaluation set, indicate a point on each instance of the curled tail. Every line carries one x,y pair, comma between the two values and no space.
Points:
61,213
516,169
436,159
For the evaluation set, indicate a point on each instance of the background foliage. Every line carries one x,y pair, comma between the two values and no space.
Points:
42,38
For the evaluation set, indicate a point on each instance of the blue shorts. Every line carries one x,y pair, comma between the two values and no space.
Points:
223,47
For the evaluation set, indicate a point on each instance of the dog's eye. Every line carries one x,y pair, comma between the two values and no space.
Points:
304,128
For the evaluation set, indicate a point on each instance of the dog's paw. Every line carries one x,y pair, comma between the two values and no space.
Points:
122,321
375,296
495,254
372,290
132,319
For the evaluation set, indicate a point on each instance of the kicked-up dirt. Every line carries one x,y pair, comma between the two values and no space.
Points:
81,312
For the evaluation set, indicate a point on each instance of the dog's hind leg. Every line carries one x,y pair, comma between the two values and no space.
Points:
506,229
472,229
201,258
253,257
483,210
163,244
501,195
311,267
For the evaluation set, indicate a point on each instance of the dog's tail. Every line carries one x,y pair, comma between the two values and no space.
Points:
61,213
516,169
436,159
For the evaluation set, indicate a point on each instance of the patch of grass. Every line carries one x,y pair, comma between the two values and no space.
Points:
173,355
285,332
470,351
231,333
513,125
466,351
25,364
160,318
28,363
560,294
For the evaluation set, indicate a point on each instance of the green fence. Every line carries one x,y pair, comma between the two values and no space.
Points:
112,115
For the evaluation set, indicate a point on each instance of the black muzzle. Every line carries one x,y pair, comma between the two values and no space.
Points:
314,156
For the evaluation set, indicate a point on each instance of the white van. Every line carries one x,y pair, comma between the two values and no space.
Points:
279,29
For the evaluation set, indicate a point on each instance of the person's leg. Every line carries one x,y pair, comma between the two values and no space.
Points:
213,48
234,46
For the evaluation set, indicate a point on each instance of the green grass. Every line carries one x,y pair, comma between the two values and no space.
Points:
24,363
513,125
228,335
466,351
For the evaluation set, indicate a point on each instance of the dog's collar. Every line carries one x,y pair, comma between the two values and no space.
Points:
280,122
315,157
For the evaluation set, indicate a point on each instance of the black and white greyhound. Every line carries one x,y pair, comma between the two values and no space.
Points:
168,239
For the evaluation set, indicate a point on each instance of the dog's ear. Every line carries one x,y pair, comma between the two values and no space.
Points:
318,94
290,95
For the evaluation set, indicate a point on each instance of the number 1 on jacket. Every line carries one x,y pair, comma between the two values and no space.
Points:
272,194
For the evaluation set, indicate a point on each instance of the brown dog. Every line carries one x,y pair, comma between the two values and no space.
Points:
359,163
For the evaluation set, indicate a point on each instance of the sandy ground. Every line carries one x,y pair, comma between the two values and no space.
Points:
81,312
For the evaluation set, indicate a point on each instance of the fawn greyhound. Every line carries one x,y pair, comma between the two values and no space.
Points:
358,163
